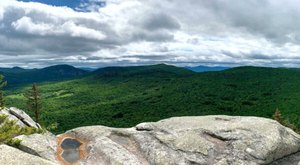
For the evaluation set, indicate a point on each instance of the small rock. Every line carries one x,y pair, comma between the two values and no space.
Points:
145,127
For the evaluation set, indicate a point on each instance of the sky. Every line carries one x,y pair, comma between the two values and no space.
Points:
98,33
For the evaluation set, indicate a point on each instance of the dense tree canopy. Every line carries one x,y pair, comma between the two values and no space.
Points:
2,84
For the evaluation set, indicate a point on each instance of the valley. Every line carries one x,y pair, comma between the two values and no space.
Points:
125,96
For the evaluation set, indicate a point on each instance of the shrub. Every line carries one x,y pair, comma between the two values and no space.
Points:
9,129
277,116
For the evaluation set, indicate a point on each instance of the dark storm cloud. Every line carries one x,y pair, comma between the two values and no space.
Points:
160,21
161,36
150,57
97,58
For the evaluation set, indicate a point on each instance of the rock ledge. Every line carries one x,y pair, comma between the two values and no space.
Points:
207,140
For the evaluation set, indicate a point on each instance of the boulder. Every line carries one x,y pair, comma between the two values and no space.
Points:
215,140
13,156
42,145
21,118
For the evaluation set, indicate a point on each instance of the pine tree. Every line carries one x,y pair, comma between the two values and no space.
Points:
34,102
2,84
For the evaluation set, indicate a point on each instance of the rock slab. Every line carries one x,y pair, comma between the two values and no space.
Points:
204,140
13,156
42,145
21,118
209,140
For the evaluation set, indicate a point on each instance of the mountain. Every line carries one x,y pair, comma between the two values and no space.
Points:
61,71
18,76
207,68
125,96
12,70
150,70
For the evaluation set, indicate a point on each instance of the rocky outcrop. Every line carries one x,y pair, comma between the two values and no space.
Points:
207,140
21,118
189,140
13,156
42,145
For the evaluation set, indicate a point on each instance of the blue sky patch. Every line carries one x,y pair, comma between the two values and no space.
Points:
69,3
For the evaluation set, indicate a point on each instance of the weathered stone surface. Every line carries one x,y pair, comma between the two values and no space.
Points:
13,156
42,145
5,112
293,159
20,117
207,140
190,140
145,127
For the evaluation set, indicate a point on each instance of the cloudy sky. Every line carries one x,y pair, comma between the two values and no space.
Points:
94,33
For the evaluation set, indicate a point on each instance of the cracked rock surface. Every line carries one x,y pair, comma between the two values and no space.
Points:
42,145
21,118
13,156
219,140
293,159
204,140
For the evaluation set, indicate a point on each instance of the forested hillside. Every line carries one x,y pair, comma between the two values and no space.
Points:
125,96
19,76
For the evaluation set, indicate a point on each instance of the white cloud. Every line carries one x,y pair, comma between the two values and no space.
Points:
190,32
26,25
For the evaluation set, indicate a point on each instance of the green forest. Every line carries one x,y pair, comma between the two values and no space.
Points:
125,96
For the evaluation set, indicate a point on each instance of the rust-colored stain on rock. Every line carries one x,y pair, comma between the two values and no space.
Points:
61,148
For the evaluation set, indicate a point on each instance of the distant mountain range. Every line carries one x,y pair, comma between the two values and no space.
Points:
125,96
88,69
207,68
18,76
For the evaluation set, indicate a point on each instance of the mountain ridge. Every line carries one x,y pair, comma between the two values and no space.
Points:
18,76
125,96
202,68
